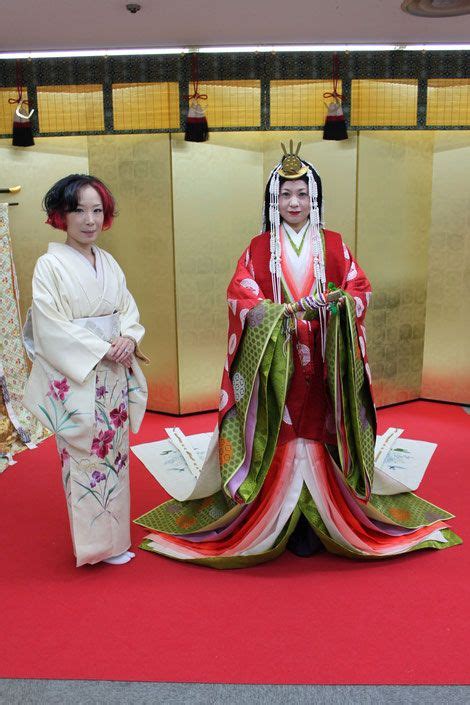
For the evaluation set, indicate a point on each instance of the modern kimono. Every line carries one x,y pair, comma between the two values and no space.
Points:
87,401
297,428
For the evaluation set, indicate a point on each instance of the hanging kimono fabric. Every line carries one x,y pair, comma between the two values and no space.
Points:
19,429
85,400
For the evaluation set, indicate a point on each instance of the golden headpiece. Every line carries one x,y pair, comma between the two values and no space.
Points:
292,166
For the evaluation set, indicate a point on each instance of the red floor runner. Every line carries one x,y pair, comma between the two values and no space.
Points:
322,620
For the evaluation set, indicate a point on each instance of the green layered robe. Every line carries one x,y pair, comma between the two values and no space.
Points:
263,368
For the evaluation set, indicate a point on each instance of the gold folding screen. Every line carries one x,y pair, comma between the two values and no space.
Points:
394,206
216,212
446,370
187,211
36,169
138,170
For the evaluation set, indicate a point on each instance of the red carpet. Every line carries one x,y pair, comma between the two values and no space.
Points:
320,620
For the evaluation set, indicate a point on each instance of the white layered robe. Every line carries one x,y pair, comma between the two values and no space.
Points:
85,400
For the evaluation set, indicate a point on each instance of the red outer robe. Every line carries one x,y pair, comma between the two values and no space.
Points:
307,413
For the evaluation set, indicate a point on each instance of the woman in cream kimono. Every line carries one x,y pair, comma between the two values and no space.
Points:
85,384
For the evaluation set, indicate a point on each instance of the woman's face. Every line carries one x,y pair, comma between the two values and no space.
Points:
294,203
85,223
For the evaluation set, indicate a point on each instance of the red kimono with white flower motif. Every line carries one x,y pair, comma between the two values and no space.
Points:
307,413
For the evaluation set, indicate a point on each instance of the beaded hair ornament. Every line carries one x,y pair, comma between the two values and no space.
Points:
292,167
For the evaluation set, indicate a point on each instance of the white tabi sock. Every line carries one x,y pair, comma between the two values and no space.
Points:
120,559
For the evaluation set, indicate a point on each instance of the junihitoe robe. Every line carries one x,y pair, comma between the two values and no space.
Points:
85,400
297,429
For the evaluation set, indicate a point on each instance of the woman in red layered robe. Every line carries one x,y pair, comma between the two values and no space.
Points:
297,422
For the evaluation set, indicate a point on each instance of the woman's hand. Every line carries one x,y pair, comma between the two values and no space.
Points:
290,309
336,297
121,351
333,297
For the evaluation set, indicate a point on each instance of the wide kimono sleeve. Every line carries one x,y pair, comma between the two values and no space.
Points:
358,287
244,296
129,314
68,348
349,382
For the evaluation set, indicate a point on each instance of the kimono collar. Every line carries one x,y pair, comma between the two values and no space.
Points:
61,248
296,237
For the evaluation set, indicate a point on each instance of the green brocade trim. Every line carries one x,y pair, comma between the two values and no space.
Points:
297,250
262,351
333,547
356,428
174,517
307,507
352,401
229,562
405,509
312,514
274,375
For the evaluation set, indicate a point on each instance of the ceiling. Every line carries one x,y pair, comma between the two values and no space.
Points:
106,24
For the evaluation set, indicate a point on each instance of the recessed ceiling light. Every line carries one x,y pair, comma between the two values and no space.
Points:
436,8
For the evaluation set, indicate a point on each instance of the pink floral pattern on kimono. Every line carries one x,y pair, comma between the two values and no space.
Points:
102,443
58,388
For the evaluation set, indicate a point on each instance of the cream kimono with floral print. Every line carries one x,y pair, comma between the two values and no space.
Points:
88,402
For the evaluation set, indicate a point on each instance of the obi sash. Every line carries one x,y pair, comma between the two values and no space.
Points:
104,327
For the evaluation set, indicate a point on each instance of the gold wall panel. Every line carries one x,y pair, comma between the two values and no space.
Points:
448,101
178,272
70,108
36,169
217,188
298,102
393,219
446,370
231,103
7,110
384,101
138,171
146,106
